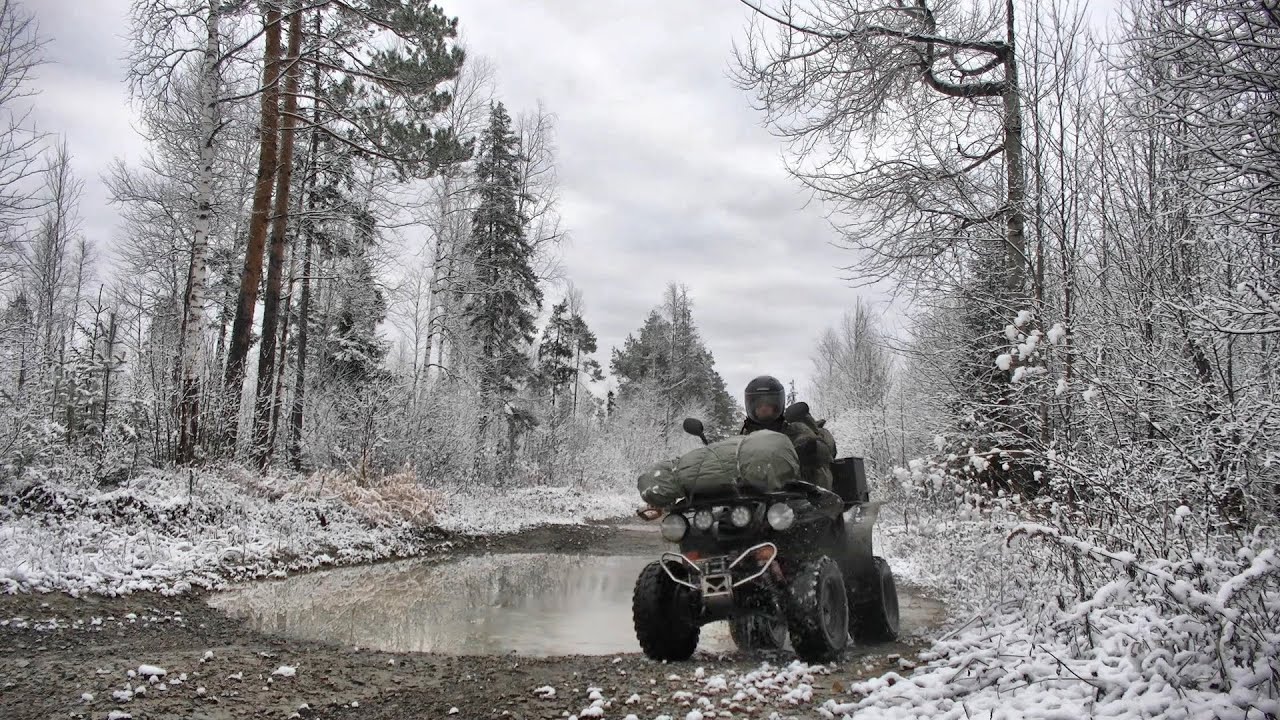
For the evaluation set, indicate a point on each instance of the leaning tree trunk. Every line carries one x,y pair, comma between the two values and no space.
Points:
1017,294
1015,177
251,275
193,301
275,263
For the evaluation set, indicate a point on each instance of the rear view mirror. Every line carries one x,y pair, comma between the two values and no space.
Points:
693,426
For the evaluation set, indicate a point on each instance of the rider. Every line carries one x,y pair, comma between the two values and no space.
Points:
764,398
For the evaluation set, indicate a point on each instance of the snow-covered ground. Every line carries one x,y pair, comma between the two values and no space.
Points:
168,532
1139,639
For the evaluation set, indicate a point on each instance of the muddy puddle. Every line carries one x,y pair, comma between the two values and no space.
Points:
527,604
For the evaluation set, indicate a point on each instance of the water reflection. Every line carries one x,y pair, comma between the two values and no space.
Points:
530,604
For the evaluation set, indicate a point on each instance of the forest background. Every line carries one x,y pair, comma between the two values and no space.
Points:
1080,232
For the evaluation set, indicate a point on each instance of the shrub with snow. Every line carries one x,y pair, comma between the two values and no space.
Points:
170,531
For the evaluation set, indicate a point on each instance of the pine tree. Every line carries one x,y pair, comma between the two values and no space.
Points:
355,348
383,62
260,220
668,353
374,121
555,355
265,393
17,329
564,357
501,311
584,345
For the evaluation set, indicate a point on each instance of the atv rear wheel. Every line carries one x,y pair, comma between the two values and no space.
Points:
818,610
758,632
874,616
663,613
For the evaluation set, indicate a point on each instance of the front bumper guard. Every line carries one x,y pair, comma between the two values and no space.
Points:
714,575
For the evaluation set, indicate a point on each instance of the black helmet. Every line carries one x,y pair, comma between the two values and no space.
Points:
764,390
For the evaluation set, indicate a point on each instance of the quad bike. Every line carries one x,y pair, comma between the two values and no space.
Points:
794,562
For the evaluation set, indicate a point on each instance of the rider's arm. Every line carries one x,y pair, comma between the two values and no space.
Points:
826,446
816,448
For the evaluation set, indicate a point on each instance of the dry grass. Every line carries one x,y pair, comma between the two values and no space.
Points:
390,499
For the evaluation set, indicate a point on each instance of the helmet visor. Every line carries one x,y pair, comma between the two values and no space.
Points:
764,406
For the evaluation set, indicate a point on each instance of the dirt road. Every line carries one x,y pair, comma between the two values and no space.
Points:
64,657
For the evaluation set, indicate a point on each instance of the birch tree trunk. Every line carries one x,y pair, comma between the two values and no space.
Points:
193,319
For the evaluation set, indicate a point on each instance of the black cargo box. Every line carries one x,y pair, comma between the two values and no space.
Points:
849,478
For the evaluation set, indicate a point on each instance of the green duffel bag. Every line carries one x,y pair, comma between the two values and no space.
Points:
657,484
763,461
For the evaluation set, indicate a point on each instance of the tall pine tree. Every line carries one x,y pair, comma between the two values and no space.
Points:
501,311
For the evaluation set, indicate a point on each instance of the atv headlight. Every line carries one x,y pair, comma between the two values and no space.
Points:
702,520
740,516
674,526
780,516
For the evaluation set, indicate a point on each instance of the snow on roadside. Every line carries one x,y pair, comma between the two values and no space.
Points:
1012,664
1022,645
170,532
1133,649
964,561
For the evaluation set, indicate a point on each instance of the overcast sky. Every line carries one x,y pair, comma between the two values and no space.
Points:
666,174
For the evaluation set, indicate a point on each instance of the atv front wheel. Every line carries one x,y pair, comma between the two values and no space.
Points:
875,615
818,610
758,632
663,614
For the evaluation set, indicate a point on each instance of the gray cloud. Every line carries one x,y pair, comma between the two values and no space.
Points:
666,174
82,98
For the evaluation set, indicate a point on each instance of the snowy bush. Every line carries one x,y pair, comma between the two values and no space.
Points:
1139,571
1052,625
1205,621
170,531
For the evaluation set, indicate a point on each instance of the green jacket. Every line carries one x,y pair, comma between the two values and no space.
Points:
815,469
